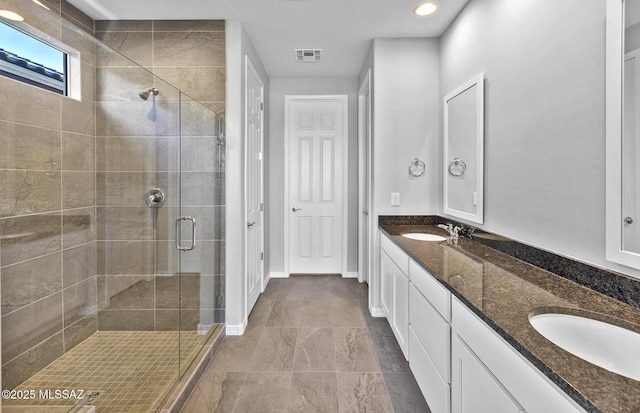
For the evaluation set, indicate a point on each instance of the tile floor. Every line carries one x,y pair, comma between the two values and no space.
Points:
132,370
310,346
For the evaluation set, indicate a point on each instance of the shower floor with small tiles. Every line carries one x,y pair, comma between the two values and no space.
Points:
132,370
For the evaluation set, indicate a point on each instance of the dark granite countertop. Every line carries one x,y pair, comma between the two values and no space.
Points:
504,291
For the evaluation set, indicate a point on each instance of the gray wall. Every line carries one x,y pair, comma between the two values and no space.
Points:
406,113
308,86
544,64
632,38
406,125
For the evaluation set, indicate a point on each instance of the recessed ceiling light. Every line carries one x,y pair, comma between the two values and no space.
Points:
425,9
11,15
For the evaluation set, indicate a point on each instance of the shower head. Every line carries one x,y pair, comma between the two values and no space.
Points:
145,93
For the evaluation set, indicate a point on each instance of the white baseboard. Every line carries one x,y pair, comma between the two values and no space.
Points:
350,275
265,282
278,275
376,312
236,329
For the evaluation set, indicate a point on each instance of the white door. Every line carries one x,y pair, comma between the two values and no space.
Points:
630,151
316,138
253,184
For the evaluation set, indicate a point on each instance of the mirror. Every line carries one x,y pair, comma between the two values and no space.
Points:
623,132
464,151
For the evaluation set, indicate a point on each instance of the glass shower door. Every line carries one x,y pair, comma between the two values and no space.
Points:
197,226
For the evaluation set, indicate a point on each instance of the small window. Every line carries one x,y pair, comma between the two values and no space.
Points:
30,60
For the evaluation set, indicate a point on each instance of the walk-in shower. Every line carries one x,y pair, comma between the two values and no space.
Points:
102,292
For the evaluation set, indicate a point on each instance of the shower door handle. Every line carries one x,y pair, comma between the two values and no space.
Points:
193,233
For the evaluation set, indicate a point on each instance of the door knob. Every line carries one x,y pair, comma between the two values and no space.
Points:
294,209
250,224
628,220
365,212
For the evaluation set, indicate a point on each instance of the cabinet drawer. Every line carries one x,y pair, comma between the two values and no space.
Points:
434,292
432,331
532,390
395,253
435,390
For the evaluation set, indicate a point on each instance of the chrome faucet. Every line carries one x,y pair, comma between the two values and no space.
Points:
448,228
453,231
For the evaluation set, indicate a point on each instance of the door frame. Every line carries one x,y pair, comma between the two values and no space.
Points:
249,68
364,158
344,99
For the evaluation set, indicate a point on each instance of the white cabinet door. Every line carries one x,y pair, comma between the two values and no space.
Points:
395,298
473,388
400,309
386,287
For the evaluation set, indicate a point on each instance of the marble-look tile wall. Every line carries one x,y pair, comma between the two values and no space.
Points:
47,193
75,235
140,144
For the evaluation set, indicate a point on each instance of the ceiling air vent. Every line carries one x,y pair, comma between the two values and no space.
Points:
308,55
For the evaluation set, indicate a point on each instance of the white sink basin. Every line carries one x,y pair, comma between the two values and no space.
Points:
420,236
605,345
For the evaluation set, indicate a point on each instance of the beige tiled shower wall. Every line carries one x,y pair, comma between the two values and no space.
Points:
77,249
138,145
47,205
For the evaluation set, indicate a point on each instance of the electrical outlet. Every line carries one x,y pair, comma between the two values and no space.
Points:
395,199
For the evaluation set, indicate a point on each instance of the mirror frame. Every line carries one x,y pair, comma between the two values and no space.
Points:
478,217
614,96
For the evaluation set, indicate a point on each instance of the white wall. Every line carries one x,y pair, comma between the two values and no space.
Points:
238,45
406,125
308,86
544,64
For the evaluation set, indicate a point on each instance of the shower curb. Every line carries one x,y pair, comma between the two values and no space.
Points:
178,397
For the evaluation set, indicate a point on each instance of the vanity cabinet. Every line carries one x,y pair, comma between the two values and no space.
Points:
487,371
395,289
460,363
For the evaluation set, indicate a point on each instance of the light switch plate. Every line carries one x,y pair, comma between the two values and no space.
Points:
395,199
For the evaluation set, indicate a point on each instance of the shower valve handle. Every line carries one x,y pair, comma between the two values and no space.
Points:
155,197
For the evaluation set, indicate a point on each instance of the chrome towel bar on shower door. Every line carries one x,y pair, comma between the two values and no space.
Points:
193,233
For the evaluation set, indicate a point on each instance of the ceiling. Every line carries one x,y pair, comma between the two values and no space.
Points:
342,28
